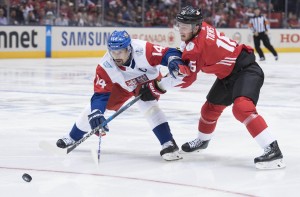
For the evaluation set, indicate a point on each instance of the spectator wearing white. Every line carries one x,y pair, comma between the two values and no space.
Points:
49,18
62,20
81,19
27,8
3,19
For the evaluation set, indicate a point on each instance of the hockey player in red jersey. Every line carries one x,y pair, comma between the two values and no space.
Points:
239,79
130,67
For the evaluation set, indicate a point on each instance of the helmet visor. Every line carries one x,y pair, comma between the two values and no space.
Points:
183,27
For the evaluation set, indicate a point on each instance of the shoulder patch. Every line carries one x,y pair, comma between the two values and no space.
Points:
139,51
107,65
190,46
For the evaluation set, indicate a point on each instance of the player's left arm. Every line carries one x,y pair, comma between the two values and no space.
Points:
176,66
170,57
159,55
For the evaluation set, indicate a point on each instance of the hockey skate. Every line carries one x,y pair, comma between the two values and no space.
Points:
194,145
65,142
271,159
170,151
262,59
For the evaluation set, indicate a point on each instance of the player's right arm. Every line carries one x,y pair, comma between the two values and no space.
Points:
166,56
169,57
102,89
191,78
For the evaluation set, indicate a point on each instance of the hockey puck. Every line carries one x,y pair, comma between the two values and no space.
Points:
26,177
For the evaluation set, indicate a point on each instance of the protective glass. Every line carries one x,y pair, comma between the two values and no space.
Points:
183,28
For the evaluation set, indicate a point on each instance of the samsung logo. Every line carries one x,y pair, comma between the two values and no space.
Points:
84,38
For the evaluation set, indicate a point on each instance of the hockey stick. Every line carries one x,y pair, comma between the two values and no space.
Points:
99,148
50,148
125,107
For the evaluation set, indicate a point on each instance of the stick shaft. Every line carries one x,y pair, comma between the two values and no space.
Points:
124,108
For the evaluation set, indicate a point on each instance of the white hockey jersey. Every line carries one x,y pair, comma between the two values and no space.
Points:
121,81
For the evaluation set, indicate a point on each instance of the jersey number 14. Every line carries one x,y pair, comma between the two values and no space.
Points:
158,49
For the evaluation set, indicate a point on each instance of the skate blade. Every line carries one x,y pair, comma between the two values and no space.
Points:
272,165
193,152
172,156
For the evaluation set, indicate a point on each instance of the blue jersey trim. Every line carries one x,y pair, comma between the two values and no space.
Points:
170,52
99,101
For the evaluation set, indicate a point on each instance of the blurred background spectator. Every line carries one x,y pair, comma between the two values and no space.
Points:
3,19
147,13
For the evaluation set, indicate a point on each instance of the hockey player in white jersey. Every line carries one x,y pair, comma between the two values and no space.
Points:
128,68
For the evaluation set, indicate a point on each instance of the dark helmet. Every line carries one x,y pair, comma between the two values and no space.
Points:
190,15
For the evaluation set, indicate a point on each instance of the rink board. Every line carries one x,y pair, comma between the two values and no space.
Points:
76,42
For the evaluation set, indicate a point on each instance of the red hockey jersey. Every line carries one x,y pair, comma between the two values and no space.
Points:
211,52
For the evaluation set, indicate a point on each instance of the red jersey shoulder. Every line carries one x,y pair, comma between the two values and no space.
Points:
191,49
200,42
220,40
102,81
216,44
155,53
194,49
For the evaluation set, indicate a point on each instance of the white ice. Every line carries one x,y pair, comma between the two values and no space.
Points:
41,98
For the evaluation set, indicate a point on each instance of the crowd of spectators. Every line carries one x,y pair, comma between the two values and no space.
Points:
130,13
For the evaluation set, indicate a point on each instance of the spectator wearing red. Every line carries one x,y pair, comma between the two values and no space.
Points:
293,22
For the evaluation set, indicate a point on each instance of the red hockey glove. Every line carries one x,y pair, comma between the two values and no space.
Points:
151,91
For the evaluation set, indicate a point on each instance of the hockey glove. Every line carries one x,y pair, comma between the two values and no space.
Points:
177,67
96,118
151,91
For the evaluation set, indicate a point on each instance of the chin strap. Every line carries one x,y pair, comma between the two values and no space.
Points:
194,35
128,62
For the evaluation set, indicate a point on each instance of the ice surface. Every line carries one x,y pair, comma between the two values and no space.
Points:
41,98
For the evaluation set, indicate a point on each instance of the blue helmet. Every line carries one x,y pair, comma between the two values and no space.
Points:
118,40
